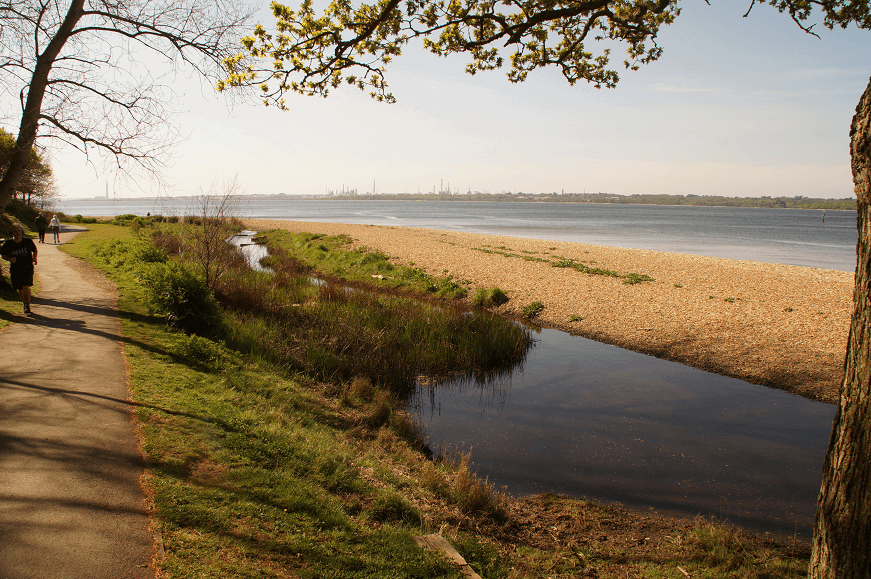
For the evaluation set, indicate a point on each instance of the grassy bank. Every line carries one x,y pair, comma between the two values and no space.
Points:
263,464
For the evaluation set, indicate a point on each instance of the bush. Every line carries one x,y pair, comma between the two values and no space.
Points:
532,310
182,297
487,298
129,253
202,351
498,297
481,297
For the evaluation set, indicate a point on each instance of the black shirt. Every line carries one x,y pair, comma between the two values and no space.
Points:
23,251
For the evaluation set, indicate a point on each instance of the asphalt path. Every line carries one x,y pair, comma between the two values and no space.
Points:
71,503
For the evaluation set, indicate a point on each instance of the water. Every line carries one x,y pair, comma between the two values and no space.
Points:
789,236
587,419
253,251
591,420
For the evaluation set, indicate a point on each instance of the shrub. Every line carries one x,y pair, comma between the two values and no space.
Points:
129,253
183,298
487,298
202,351
498,297
129,220
481,297
532,310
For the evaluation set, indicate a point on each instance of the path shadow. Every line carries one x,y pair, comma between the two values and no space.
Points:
102,310
6,382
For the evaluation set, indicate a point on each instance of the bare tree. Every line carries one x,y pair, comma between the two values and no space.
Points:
79,69
214,219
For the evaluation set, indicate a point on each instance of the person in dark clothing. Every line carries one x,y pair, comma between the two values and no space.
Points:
20,252
41,226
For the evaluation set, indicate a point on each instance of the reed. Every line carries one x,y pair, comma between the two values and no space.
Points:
337,333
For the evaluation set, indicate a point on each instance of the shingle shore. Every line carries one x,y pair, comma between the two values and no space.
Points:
779,325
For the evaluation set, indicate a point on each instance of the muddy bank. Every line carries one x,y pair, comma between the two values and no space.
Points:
778,325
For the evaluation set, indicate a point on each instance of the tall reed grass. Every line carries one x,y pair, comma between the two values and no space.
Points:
337,332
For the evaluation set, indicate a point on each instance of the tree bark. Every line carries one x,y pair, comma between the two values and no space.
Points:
33,105
842,530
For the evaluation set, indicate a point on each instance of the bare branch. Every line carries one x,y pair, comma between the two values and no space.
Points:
63,59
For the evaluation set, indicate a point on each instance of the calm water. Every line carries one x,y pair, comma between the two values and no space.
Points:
592,420
790,236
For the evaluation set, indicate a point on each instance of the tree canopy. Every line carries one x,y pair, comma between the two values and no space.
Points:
311,53
37,183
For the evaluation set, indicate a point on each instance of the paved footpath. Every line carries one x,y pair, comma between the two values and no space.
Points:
71,506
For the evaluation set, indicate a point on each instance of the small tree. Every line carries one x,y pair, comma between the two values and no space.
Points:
215,219
37,180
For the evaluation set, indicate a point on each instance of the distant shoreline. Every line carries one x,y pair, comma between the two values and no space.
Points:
813,204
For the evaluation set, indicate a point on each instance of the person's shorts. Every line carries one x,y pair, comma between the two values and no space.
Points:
21,278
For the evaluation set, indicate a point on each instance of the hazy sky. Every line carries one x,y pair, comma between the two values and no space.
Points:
735,106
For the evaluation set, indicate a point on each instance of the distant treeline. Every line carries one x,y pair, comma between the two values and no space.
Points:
797,202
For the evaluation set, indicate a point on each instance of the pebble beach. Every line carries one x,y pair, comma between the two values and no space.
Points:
781,326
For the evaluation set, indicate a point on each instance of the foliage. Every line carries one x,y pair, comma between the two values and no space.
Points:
203,351
79,219
634,278
205,246
311,53
172,290
350,44
128,252
37,183
489,298
181,297
333,256
532,310
336,333
20,212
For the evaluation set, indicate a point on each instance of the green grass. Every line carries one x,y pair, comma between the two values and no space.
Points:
257,470
336,256
252,470
569,263
532,310
489,298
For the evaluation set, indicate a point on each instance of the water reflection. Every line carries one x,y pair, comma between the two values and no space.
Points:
250,247
588,419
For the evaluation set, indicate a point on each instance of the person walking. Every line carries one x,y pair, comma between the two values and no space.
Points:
20,252
41,225
55,228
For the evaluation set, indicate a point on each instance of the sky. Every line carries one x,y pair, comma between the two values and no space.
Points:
735,106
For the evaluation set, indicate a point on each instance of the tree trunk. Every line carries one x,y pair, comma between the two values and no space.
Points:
33,106
842,530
